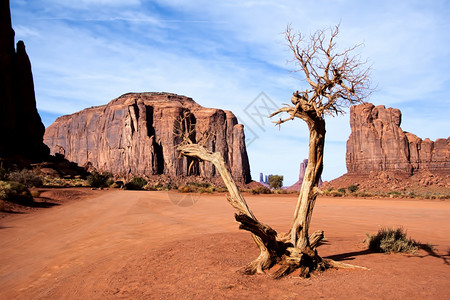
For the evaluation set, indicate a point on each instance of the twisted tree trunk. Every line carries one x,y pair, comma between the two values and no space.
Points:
291,251
309,189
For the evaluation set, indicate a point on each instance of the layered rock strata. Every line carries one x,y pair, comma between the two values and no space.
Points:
135,135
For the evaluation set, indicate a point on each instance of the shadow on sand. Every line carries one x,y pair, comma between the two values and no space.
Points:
427,248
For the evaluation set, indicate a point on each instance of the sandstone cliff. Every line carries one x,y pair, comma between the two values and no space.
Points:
134,135
21,128
377,143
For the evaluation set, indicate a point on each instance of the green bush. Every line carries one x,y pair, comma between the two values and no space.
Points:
98,180
14,192
137,183
26,177
341,190
389,240
261,190
352,188
276,181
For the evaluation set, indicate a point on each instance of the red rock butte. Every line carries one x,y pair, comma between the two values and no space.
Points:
381,156
377,143
134,135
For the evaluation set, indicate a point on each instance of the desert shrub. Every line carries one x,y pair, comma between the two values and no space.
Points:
336,194
394,194
186,189
341,190
261,190
220,189
150,187
352,188
363,194
389,240
26,177
161,187
115,186
98,180
139,182
210,189
35,194
14,192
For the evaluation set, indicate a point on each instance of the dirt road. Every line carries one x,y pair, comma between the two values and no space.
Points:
155,245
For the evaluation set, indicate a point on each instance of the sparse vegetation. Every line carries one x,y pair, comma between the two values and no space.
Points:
275,182
261,190
66,182
186,189
352,188
195,187
14,192
389,240
342,190
117,184
137,183
98,180
26,177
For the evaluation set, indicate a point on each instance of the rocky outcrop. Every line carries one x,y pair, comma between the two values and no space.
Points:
21,128
134,135
298,185
377,143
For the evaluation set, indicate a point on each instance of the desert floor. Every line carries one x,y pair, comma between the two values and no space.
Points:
166,245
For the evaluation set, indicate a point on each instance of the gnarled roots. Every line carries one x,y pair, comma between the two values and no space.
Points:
278,251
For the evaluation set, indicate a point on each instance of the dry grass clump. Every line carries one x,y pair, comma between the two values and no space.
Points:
194,187
63,182
388,240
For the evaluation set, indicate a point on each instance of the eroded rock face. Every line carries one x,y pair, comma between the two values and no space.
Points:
21,128
377,143
134,135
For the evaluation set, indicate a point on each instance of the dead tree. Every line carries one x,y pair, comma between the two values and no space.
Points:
335,80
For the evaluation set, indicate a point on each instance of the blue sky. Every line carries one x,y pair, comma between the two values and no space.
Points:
224,54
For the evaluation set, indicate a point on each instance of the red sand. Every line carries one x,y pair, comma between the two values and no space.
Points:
140,245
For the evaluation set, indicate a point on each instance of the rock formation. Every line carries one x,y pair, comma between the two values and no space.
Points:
21,128
298,185
377,143
134,135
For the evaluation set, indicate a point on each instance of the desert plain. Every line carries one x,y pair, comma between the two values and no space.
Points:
116,244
